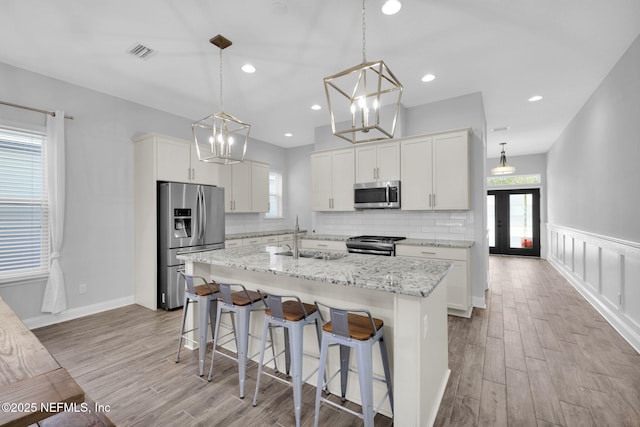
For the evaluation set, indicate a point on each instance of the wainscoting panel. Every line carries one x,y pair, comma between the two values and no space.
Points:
631,295
605,270
592,267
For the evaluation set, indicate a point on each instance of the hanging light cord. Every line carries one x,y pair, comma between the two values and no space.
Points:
364,30
221,107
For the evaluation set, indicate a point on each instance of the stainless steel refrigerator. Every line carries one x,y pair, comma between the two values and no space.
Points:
190,219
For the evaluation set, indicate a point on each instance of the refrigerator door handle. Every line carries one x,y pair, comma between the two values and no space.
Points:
204,216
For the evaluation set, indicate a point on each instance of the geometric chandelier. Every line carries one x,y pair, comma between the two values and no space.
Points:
220,137
363,100
503,167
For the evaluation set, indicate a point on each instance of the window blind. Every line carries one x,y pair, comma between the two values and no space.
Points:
275,195
24,216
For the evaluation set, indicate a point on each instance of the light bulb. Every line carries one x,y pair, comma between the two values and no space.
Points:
391,7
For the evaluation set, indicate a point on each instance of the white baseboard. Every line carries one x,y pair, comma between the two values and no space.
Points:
478,302
74,313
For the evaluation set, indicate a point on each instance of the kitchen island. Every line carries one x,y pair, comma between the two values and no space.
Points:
408,294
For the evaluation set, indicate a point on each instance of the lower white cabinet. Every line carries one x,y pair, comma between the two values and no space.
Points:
458,279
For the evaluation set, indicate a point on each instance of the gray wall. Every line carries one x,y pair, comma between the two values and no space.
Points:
98,240
592,169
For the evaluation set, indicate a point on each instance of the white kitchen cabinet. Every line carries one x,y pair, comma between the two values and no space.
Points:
332,179
435,172
458,279
378,162
232,243
246,187
177,161
259,187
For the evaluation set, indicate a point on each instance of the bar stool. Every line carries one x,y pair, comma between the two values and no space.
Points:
360,332
206,295
293,315
240,304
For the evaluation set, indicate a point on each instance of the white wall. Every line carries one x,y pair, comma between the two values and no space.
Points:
593,198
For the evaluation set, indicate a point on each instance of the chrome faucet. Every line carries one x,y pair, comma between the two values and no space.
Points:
296,229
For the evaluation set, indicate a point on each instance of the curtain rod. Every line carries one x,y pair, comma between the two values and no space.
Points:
51,113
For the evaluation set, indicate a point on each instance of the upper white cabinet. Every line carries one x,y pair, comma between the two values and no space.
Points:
177,161
332,179
378,162
435,172
246,187
259,187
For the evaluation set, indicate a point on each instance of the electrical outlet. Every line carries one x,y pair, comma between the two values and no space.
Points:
82,288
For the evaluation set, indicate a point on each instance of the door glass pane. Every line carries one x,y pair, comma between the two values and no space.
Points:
521,221
491,219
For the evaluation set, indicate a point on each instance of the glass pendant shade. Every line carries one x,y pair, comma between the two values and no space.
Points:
220,137
503,167
363,102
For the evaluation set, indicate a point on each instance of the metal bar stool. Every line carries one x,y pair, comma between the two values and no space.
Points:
240,304
293,315
360,332
206,295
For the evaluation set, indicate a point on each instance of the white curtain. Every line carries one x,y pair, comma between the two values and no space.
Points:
55,299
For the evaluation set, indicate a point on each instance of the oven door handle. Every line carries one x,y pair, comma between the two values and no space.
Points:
387,195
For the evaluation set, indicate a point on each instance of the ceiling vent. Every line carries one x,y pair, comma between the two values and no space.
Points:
141,51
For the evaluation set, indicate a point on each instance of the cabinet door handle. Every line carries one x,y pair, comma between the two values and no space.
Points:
434,200
193,173
322,246
428,253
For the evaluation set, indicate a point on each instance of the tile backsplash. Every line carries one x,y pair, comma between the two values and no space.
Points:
458,225
251,222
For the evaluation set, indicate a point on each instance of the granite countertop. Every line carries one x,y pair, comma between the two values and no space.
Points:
465,244
407,276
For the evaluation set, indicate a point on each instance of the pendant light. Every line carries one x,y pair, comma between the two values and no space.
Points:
363,100
503,167
220,137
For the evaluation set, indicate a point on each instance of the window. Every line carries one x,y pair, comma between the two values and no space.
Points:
24,221
275,195
513,180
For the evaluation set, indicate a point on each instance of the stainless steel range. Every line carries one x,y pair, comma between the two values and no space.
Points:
373,245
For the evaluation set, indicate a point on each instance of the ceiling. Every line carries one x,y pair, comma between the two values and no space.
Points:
509,50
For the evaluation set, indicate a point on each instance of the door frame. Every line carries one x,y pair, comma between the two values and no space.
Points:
502,239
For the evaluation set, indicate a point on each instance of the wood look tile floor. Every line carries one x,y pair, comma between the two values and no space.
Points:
539,355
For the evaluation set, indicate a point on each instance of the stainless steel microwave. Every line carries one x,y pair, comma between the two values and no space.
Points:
377,195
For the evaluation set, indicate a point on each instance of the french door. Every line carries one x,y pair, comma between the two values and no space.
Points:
513,220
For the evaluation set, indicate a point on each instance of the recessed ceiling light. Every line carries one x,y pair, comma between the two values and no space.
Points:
391,7
316,107
428,78
248,68
288,134
535,98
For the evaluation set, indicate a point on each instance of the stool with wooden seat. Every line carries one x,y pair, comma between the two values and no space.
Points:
293,315
240,303
360,332
206,295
